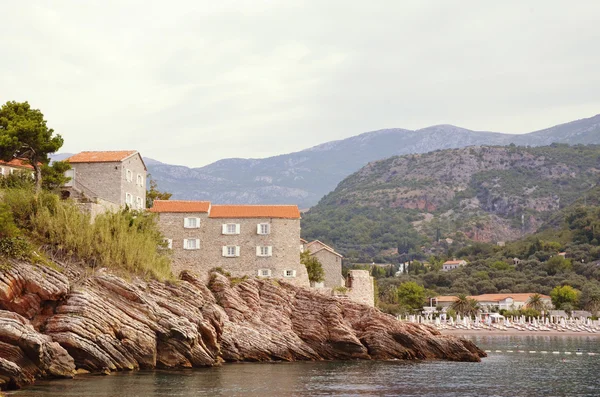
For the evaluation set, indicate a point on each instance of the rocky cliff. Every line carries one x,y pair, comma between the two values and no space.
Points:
58,322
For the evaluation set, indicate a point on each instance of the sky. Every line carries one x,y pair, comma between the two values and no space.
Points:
193,81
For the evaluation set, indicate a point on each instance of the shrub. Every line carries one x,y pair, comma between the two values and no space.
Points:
15,247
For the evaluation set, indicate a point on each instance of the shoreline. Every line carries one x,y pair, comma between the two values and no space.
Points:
512,332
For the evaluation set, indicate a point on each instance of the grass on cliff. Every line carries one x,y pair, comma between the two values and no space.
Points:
127,240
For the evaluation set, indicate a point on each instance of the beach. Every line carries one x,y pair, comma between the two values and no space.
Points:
511,332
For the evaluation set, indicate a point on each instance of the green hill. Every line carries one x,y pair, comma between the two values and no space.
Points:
420,204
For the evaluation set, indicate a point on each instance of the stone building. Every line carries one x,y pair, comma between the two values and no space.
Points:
15,165
330,260
110,180
244,240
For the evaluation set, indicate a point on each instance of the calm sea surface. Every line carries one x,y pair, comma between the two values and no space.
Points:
529,373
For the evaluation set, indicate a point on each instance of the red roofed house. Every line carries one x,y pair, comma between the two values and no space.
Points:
12,166
508,301
244,240
454,264
114,178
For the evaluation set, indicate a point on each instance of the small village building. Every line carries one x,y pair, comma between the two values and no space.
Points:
14,166
330,260
487,302
107,180
244,240
453,264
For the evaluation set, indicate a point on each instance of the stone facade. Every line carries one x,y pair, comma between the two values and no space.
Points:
361,287
121,181
280,258
331,262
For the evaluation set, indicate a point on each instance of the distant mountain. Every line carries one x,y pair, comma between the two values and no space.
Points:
485,194
304,177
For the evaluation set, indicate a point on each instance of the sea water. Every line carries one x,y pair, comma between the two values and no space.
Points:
531,366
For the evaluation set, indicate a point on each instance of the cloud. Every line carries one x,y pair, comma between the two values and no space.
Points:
191,82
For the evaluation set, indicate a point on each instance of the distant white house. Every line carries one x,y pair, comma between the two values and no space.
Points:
453,264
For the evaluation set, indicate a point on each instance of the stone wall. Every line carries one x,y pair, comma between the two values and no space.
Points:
283,238
360,287
97,207
137,168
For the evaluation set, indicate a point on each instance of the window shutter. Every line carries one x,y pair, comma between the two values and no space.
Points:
257,251
185,244
268,228
258,229
237,229
186,222
198,222
270,253
197,243
237,251
293,273
224,228
224,250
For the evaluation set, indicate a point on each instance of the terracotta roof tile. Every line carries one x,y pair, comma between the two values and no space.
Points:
180,206
255,211
16,163
458,262
101,157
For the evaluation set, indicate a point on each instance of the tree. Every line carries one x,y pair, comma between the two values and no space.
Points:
24,135
590,298
153,193
535,302
565,296
313,267
53,176
465,306
411,295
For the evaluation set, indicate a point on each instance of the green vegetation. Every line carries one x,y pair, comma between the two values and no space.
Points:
127,240
153,193
313,267
403,208
24,135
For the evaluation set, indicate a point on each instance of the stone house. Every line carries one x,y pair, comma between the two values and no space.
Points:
330,260
453,264
15,165
111,179
508,301
244,240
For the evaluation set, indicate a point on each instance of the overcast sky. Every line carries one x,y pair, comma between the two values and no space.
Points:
191,82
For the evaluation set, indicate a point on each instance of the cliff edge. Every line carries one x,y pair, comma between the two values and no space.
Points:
57,322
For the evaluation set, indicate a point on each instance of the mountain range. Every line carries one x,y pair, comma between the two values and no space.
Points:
304,177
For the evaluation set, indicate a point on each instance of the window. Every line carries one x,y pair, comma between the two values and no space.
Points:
264,272
12,171
129,175
264,251
231,228
128,199
263,228
169,243
139,202
1,170
140,180
289,273
231,251
191,244
191,223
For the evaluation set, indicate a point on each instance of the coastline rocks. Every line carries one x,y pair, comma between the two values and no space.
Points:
51,327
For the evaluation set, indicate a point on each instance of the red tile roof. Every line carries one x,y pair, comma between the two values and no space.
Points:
454,262
255,211
101,157
180,206
16,163
492,297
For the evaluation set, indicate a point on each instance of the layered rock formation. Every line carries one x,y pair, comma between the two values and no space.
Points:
56,322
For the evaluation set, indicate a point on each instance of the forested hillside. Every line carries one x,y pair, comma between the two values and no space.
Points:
418,204
532,264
